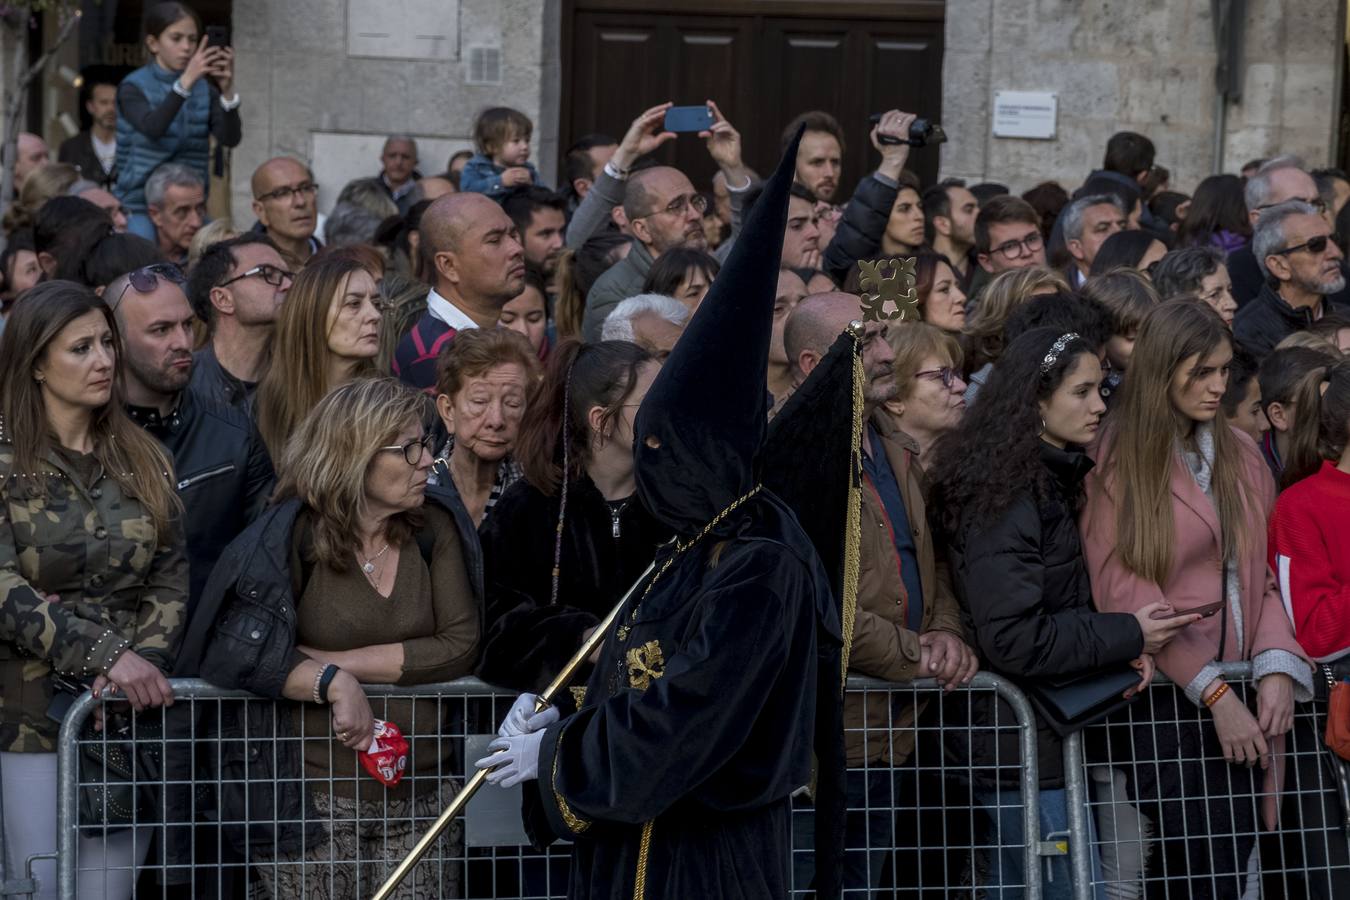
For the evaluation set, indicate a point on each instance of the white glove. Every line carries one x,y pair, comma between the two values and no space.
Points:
518,761
522,719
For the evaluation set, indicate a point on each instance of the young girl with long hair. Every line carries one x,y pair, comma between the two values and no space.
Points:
1176,512
1006,486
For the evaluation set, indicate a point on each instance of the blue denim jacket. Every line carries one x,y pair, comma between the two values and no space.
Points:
481,175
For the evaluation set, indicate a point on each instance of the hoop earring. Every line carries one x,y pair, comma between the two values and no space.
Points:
1042,431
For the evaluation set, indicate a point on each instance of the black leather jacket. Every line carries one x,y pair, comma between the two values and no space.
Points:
223,473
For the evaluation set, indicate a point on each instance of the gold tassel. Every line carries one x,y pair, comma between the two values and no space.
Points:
640,880
853,525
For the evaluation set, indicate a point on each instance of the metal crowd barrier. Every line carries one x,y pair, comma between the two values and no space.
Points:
233,815
1160,813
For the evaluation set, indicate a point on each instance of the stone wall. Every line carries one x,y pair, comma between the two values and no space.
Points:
1141,65
297,81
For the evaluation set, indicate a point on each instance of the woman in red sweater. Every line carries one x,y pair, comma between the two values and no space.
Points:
1309,548
1310,531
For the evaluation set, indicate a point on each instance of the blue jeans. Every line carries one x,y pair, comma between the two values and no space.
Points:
1007,856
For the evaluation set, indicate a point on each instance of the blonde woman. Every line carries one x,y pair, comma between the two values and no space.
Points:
983,333
351,578
327,333
931,397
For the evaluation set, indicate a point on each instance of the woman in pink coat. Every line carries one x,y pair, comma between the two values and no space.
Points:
1176,511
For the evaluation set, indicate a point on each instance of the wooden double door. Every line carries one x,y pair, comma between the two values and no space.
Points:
762,61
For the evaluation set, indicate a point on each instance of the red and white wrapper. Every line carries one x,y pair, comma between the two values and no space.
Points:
387,756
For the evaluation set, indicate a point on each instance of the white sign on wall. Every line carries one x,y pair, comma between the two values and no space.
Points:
1025,114
403,29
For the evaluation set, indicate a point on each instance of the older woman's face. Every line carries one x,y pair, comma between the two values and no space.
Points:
392,485
933,406
354,318
484,415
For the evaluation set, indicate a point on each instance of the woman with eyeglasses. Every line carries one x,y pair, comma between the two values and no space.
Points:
931,397
358,574
169,109
327,333
1198,273
93,572
1006,488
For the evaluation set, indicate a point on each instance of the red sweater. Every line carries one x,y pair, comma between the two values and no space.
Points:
1310,554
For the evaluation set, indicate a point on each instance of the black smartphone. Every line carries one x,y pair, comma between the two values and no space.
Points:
217,36
1205,610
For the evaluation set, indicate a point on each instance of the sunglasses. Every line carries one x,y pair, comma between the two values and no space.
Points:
146,279
412,451
946,374
1315,245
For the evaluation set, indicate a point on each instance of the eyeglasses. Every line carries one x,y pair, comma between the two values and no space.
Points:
946,374
413,450
270,274
146,279
1315,246
286,192
1014,249
681,204
1317,203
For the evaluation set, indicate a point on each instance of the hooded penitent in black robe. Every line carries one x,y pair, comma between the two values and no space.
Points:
674,777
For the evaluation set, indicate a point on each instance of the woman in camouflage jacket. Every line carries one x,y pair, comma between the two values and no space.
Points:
93,576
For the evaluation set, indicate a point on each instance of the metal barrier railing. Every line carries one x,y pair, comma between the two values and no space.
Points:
253,798
1162,814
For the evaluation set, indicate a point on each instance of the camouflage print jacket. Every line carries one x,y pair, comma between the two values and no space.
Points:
83,576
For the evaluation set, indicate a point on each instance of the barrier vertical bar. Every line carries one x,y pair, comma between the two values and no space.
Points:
1080,843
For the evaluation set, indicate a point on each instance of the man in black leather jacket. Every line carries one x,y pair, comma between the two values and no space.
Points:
223,473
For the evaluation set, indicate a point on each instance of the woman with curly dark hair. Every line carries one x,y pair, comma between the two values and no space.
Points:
1006,488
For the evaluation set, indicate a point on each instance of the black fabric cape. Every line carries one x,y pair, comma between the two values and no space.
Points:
696,726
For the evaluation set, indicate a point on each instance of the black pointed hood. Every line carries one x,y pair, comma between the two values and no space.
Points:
702,424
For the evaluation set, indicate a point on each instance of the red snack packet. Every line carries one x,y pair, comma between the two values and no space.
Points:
387,755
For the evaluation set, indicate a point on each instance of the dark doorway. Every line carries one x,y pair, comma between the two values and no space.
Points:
763,61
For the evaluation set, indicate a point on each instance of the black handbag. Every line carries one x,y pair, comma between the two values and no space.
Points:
1071,703
119,777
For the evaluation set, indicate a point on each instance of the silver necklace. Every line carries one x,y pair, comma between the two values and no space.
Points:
369,565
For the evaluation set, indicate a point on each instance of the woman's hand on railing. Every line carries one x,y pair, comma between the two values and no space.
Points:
353,722
1275,704
1239,732
139,680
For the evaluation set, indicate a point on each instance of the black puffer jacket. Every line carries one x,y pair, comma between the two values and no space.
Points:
1027,601
1269,319
527,638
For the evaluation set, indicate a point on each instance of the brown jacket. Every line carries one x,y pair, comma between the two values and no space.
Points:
882,647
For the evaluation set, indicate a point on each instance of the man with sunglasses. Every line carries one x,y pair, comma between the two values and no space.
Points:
908,623
221,469
1277,181
237,288
1303,267
285,200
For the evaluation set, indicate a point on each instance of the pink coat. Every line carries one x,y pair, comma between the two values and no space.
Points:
1197,576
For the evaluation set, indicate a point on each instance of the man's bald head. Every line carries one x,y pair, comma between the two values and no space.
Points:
661,207
472,246
815,324
279,171
645,187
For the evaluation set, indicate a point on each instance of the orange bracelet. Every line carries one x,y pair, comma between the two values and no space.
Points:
1214,697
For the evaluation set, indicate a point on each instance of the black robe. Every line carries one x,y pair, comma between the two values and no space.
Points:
527,638
697,724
